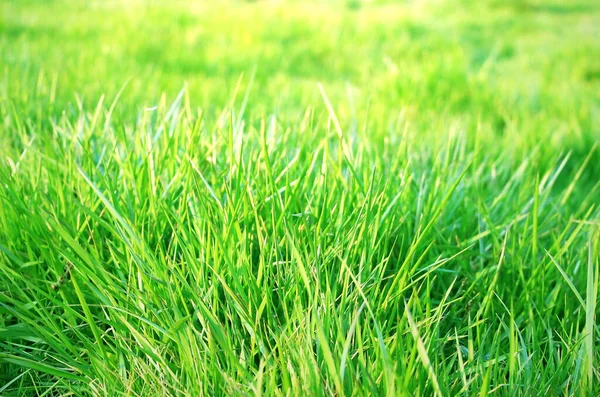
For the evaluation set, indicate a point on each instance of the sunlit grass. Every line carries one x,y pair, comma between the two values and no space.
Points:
295,199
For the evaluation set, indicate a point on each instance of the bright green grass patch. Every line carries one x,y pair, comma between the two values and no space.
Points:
278,198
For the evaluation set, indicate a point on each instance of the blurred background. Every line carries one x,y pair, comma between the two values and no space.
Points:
498,67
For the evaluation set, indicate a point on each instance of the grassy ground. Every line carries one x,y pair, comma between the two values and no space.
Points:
283,198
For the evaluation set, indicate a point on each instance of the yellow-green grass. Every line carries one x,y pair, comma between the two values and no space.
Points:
291,198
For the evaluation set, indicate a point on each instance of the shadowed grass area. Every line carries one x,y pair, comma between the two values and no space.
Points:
286,198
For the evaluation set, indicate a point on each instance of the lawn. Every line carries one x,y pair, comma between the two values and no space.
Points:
299,198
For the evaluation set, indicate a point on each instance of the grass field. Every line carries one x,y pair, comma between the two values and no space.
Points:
292,198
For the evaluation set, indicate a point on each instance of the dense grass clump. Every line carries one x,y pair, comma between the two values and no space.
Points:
279,198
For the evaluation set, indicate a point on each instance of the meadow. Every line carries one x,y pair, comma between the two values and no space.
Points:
288,198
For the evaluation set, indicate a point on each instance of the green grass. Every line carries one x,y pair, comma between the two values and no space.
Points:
291,198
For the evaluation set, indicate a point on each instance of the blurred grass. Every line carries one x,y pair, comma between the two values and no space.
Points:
496,60
513,73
